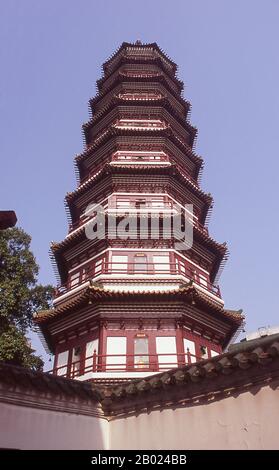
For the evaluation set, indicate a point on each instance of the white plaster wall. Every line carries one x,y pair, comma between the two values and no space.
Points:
30,428
245,422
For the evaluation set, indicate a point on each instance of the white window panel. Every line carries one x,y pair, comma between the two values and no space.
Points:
166,351
62,360
74,279
203,280
157,203
204,352
161,263
91,346
123,204
140,264
182,267
85,273
98,266
119,263
189,345
76,362
214,353
117,346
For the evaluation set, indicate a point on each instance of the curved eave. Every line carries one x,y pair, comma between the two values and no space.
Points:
169,170
78,235
121,77
94,100
115,132
141,60
97,293
219,248
125,45
162,104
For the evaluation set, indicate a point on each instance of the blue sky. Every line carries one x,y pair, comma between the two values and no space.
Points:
227,52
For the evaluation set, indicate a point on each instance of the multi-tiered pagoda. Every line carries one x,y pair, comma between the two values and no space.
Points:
129,307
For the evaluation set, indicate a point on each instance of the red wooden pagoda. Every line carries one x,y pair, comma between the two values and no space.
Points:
132,307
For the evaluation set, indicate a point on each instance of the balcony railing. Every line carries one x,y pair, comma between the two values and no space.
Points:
133,269
146,207
140,125
140,96
115,363
139,158
115,158
138,74
130,159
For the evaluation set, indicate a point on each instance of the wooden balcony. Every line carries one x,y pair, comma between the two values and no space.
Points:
137,270
119,363
168,207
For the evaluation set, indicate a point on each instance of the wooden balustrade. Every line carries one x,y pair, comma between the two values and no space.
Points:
124,363
134,269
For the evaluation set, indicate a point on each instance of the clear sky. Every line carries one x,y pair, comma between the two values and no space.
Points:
51,54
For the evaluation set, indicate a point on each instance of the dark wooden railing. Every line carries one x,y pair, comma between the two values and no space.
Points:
134,269
124,363
141,209
137,158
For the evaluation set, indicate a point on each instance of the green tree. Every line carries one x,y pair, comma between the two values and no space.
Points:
20,297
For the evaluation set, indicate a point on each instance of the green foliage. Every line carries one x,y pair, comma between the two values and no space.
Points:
20,297
15,349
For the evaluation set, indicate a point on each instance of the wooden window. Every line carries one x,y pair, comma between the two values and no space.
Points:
62,363
91,346
189,351
98,266
74,279
181,266
85,272
140,263
141,352
203,280
76,361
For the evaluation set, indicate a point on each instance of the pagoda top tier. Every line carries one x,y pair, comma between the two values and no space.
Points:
138,52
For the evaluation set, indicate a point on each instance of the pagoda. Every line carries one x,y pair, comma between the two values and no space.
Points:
128,307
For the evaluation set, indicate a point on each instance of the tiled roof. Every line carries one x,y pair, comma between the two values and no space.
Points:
96,292
139,45
114,132
170,170
79,233
42,381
